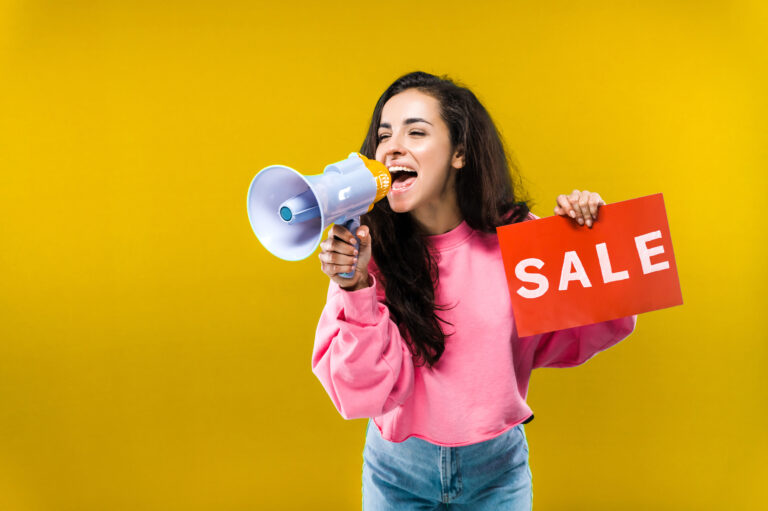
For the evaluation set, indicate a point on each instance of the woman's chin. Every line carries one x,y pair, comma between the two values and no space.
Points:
398,205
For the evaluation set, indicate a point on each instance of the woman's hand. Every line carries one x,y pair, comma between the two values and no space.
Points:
338,255
581,206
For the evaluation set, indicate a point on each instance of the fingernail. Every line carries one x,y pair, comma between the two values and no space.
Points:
581,221
355,252
572,214
589,223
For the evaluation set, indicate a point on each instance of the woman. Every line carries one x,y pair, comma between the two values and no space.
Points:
421,340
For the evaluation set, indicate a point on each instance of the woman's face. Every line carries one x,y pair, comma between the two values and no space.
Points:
415,145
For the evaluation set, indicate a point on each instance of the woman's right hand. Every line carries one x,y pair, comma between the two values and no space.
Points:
338,255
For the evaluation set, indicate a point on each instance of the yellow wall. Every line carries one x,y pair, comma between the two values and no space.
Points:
153,356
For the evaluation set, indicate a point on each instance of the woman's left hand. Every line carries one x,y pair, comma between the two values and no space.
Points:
581,206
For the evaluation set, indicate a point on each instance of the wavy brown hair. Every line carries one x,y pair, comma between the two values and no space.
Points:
487,188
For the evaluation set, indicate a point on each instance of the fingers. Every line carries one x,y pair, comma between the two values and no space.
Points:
338,247
582,206
564,206
333,269
340,232
337,252
333,263
589,203
595,201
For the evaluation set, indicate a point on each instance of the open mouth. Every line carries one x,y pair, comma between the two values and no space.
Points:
402,177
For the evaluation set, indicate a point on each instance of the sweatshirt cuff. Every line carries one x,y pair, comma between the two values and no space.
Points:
361,306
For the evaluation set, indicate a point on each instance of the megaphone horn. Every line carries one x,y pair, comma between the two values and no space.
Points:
289,211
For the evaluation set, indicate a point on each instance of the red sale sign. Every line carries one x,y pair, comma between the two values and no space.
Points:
562,275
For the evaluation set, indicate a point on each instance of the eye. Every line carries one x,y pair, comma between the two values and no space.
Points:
382,136
419,133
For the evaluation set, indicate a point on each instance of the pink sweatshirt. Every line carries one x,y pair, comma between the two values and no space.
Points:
477,389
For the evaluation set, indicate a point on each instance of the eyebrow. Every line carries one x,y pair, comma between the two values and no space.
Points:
410,120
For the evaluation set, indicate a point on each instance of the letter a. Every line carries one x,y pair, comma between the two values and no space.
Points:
572,259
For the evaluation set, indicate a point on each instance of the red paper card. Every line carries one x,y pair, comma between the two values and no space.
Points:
562,275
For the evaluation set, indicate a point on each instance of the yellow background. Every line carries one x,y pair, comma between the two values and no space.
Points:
153,356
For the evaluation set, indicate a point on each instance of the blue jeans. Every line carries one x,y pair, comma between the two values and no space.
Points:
416,474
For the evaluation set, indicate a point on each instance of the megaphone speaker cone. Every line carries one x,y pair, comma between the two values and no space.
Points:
273,189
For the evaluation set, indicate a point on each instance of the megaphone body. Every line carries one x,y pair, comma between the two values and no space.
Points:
289,211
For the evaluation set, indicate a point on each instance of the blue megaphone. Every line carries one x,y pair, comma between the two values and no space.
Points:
289,211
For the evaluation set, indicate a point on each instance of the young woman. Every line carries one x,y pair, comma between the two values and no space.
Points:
421,340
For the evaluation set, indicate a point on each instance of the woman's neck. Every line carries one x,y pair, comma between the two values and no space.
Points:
438,219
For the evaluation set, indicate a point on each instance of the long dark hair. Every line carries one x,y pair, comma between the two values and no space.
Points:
487,194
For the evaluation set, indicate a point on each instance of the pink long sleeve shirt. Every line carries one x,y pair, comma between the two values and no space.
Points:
477,389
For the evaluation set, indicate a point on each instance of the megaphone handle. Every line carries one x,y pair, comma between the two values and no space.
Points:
352,226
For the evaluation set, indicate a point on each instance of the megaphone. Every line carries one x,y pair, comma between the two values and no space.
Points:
289,211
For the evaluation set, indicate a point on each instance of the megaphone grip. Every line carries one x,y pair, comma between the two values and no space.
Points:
352,225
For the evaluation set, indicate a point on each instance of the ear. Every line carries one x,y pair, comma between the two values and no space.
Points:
457,161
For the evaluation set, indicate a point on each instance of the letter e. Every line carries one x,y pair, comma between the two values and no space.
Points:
645,253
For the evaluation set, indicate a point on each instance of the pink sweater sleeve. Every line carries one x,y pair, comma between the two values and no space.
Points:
574,346
359,355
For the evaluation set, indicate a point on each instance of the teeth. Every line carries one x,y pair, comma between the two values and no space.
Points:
398,168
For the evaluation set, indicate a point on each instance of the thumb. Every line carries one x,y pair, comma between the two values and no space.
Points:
364,235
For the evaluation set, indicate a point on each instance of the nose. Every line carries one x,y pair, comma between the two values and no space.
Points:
393,147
